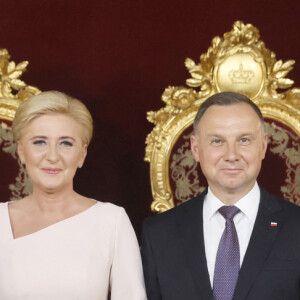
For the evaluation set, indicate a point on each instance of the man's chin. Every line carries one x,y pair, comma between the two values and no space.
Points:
237,187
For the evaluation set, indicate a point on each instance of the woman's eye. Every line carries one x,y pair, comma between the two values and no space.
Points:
39,142
66,144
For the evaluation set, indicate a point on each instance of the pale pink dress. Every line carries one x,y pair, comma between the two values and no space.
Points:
79,258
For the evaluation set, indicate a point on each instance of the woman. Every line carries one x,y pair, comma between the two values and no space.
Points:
56,244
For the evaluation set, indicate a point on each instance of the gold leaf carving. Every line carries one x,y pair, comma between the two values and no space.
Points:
277,66
278,71
15,74
189,63
12,89
17,84
192,82
284,83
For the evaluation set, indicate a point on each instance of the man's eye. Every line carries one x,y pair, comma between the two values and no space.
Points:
216,141
66,144
39,142
244,140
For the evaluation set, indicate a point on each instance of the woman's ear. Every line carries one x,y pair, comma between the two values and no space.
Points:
83,156
20,152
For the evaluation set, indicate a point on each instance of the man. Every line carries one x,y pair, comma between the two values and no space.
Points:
196,251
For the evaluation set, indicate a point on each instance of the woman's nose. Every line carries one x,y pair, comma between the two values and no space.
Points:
52,154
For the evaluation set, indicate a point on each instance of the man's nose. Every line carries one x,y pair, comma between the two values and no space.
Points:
232,152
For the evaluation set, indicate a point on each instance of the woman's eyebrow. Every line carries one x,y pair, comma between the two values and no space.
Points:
66,137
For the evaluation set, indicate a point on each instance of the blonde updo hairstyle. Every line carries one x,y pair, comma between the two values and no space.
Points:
52,102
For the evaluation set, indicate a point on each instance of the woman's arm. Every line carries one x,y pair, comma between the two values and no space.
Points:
126,279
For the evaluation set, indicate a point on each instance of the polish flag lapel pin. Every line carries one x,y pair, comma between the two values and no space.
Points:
273,224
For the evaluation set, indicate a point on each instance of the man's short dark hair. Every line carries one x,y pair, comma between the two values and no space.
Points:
225,99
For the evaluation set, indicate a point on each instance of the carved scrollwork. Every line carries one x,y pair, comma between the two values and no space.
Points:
239,62
177,99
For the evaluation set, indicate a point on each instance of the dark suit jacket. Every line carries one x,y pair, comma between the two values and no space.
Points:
174,259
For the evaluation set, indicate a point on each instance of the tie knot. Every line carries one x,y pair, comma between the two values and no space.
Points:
228,212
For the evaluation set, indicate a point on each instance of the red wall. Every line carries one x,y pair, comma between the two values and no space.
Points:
118,57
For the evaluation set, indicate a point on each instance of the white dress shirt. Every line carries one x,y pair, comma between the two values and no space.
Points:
214,224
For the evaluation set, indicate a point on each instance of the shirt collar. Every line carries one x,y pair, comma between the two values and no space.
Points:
248,205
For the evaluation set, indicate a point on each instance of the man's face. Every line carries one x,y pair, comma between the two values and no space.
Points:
230,145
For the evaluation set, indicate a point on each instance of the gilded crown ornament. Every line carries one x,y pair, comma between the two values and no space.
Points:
241,75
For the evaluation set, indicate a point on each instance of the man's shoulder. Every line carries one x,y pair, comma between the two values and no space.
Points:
280,204
170,216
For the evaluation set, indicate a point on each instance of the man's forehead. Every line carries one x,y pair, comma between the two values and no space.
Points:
230,105
233,108
223,116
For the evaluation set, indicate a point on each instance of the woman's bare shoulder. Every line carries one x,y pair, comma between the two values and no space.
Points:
18,205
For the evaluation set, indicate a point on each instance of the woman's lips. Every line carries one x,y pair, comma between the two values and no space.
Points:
51,170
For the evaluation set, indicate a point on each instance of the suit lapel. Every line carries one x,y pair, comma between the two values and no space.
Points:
260,244
190,229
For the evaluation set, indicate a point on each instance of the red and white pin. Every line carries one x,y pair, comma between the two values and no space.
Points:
273,224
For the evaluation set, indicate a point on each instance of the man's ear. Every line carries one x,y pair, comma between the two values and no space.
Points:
195,147
264,145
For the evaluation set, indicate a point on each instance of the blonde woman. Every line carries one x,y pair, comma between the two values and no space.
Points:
55,243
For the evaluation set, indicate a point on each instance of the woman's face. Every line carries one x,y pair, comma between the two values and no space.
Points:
51,147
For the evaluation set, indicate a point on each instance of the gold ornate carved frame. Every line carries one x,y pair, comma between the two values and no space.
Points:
239,62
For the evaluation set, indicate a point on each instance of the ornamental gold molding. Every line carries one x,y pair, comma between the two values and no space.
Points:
13,90
238,62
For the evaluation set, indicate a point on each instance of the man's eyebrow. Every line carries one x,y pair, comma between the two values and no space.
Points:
248,134
222,135
215,135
